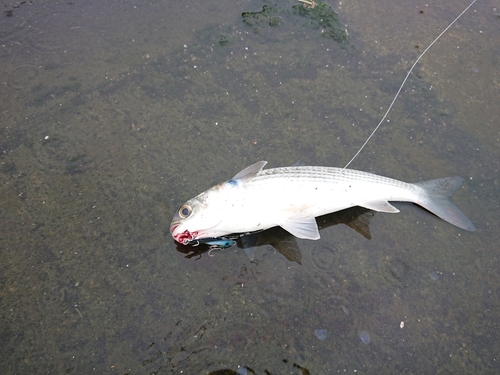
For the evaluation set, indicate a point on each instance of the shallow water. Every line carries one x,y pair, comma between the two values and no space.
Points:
115,113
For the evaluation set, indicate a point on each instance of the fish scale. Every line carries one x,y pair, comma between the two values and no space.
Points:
329,174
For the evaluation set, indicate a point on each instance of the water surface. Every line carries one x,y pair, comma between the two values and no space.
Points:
115,113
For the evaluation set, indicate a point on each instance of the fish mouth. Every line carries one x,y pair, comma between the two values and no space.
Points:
173,226
187,237
182,237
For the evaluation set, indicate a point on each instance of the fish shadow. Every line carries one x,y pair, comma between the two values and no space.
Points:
357,218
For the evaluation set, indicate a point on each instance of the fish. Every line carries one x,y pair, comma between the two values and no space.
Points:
257,199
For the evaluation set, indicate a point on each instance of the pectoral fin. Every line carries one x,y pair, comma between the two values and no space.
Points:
305,228
380,206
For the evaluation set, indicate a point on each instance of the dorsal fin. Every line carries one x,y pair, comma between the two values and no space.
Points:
250,171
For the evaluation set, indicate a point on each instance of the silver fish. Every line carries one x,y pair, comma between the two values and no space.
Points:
292,197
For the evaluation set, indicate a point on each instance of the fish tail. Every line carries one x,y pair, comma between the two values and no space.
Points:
436,200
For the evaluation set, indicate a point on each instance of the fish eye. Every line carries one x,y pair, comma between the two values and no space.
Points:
185,211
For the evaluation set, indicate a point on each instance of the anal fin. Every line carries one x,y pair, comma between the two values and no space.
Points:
380,206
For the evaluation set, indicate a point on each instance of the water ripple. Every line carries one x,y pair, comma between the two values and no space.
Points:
36,28
22,76
323,257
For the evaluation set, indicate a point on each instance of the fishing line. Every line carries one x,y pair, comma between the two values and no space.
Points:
404,81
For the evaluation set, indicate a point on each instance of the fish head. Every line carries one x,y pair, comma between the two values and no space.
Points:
200,217
210,214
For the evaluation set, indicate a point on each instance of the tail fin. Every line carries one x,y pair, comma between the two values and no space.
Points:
436,200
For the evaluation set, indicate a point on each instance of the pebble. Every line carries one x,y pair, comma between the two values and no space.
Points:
364,336
320,334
